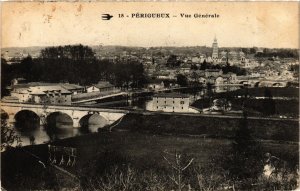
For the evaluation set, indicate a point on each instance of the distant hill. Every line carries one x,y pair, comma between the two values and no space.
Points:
16,51
113,50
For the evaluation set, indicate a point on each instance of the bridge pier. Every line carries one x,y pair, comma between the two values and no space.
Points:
76,122
11,118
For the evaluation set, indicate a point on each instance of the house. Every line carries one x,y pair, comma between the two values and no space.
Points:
196,59
250,64
213,72
50,95
171,102
220,81
255,74
202,80
211,80
22,94
230,77
73,88
155,85
102,86
287,75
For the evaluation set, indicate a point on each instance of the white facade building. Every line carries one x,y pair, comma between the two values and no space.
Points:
171,102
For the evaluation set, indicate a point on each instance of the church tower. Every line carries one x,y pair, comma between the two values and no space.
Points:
215,53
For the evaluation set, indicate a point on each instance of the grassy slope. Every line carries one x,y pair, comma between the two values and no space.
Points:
286,130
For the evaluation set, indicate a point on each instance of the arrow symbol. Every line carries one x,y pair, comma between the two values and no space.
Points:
106,16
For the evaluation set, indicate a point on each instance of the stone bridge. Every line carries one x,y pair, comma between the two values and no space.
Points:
76,113
263,82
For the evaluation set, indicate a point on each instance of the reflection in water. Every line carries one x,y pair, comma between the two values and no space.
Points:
41,136
92,122
26,120
58,126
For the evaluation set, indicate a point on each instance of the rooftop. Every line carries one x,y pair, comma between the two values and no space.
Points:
171,95
103,84
41,90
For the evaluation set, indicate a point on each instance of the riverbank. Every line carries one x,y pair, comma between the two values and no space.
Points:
209,126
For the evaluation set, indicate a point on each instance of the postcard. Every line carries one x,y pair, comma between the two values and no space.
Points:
148,95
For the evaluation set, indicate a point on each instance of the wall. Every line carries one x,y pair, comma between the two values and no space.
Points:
21,97
170,104
64,99
92,89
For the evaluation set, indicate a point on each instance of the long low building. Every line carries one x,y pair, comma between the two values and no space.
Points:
48,93
43,94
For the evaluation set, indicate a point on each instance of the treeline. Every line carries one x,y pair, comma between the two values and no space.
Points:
74,64
281,53
225,68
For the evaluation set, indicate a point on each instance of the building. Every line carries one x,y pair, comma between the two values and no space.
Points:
171,102
22,94
215,53
73,88
50,95
213,72
155,85
43,94
220,81
102,86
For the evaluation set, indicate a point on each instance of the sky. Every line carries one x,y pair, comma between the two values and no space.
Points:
240,24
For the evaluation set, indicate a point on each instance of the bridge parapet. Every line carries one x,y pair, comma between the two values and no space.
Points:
75,112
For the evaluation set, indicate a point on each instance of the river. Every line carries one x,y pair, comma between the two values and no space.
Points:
65,128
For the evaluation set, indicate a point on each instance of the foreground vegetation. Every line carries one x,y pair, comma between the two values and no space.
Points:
136,161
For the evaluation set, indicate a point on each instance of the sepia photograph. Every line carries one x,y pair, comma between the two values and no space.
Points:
149,96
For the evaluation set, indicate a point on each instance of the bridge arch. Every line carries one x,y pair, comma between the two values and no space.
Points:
278,84
26,120
59,119
244,82
256,84
59,125
92,122
4,114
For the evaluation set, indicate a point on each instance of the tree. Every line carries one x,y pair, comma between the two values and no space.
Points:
179,165
244,161
268,103
5,79
195,82
194,67
8,134
204,65
252,50
209,88
182,80
172,61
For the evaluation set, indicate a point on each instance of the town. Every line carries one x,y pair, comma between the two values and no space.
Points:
53,95
159,70
149,96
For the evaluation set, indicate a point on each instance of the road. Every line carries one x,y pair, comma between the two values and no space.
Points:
210,115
